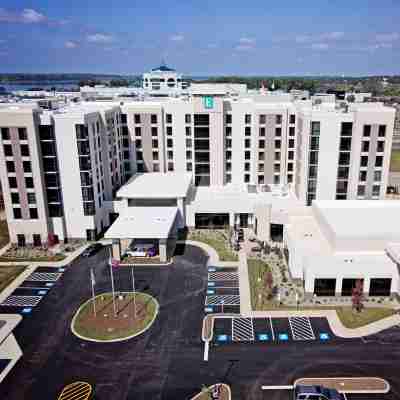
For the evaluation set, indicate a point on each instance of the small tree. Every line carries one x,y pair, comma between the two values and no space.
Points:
269,280
357,296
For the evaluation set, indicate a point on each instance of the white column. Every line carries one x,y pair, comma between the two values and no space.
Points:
231,219
116,249
339,283
163,250
367,283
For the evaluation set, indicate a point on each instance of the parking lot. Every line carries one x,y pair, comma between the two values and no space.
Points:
229,329
33,289
222,291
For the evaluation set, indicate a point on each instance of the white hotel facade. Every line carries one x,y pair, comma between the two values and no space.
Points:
247,159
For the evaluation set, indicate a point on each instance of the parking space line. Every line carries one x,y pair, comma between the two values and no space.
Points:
272,329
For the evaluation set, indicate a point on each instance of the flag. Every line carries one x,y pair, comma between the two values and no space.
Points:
92,277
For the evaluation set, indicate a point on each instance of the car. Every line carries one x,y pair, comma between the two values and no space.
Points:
142,250
316,392
92,249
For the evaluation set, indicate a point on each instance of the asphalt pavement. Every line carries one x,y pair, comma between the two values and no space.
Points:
166,362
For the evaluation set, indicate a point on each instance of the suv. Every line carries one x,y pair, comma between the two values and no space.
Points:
92,249
316,392
141,250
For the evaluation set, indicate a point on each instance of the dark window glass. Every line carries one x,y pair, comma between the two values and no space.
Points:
291,131
12,182
137,118
277,144
201,119
261,155
138,143
262,131
361,190
201,144
343,173
10,166
228,131
168,118
365,146
201,132
262,119
8,150
290,155
247,131
261,144
278,119
246,178
367,130
46,132
27,166
22,134
31,198
189,166
364,161
82,132
313,157
344,158
315,128
24,150
55,210
170,166
169,130
170,143
247,143
347,128
382,131
228,118
29,182
202,157
17,213
188,119
33,213
247,155
345,144
380,146
124,118
5,133
138,131
278,132
153,118
50,164
188,131
314,143
292,119
155,143
51,180
154,131
378,161
139,155
87,193
14,198
247,119
89,208
291,143
362,176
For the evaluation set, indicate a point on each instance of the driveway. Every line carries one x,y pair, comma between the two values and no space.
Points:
167,361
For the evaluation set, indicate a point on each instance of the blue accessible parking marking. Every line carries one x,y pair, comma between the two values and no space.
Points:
211,269
222,338
42,292
263,337
208,309
26,310
324,336
283,337
61,269
210,291
211,283
49,284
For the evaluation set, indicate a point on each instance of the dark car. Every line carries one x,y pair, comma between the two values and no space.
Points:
92,249
316,392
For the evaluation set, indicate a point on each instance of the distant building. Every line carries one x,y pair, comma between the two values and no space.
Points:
164,80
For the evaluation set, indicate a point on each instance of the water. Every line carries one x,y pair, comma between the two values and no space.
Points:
63,85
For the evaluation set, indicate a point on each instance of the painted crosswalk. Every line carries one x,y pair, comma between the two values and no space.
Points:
222,276
242,329
44,276
227,300
21,301
301,328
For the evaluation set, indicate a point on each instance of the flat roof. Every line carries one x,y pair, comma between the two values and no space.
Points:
143,223
156,185
360,219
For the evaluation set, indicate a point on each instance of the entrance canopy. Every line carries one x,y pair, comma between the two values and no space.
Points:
143,223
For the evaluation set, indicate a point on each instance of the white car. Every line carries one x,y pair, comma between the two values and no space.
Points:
142,250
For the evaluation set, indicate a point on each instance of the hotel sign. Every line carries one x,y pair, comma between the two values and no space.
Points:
208,102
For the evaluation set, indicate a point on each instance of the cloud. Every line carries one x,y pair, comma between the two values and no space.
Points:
99,38
247,41
176,38
26,16
319,37
320,46
70,44
244,47
387,37
212,46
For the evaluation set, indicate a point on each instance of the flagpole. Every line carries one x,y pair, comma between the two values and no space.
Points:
134,294
93,299
112,285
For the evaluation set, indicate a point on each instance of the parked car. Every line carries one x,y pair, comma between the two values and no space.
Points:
142,250
92,249
316,392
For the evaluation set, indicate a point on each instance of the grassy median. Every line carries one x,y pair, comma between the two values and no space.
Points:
395,161
352,319
8,273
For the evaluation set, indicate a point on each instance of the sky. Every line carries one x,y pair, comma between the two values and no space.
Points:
201,37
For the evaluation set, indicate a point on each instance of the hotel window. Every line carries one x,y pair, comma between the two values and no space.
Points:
153,118
188,118
155,155
377,176
8,150
277,168
14,198
5,133
291,143
170,166
262,119
22,134
170,143
188,130
246,178
380,146
367,131
12,182
277,156
361,190
124,120
247,143
378,161
278,119
33,213
140,167
261,144
228,131
156,167
137,118
138,131
10,166
228,178
247,155
262,131
228,143
364,161
170,155
168,118
154,143
189,167
228,118
228,155
289,178
17,213
154,131
291,131
247,131
278,132
290,167
138,143
362,176
365,146
27,166
229,166
260,167
169,130
261,179
277,179
29,182
139,156
277,144
291,155
382,131
376,190
188,142
247,119
261,155
292,119
247,167
188,155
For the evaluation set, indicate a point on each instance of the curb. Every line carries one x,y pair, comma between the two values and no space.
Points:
227,387
118,339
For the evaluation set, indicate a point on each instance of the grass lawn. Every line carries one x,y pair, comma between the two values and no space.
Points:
8,273
105,326
257,270
216,239
395,161
351,319
4,238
